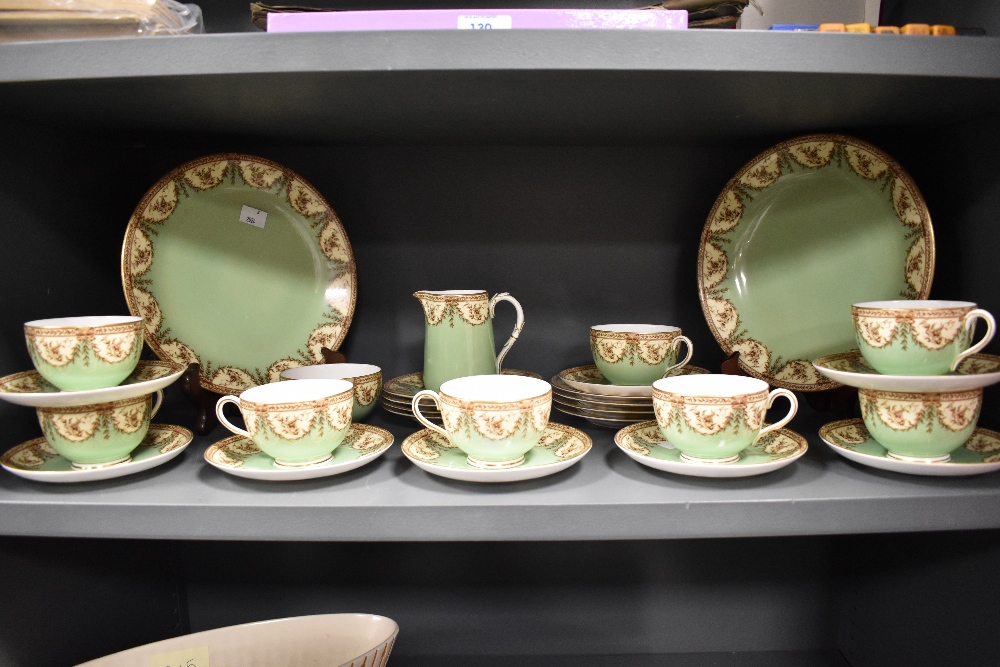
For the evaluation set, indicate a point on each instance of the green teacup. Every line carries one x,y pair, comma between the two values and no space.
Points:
298,422
99,435
494,419
637,354
920,427
918,337
77,353
712,418
367,381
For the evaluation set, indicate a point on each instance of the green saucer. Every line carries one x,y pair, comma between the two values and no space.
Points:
644,443
560,447
239,456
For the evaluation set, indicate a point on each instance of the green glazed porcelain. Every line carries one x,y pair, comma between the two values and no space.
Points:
802,232
244,300
494,419
458,338
558,447
637,354
918,337
645,443
80,353
99,435
297,422
715,417
925,427
367,381
243,458
851,439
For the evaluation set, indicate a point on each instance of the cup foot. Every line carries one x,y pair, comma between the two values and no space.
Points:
302,464
919,459
98,466
697,459
494,465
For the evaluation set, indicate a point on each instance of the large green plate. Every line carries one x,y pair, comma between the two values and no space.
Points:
244,302
803,231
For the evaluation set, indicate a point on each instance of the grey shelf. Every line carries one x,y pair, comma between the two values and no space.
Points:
460,86
606,496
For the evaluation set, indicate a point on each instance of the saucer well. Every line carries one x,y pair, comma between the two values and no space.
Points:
238,456
560,447
37,461
589,380
31,389
850,439
644,443
851,369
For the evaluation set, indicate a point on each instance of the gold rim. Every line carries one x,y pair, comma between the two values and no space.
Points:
927,231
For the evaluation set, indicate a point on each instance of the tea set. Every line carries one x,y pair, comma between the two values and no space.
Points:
844,204
94,401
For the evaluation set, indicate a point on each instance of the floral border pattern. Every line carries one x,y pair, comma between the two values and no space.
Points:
709,415
930,329
899,411
566,442
155,209
35,453
810,152
613,346
850,433
81,423
60,346
232,452
472,309
643,437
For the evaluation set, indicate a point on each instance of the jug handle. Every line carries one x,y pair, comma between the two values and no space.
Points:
504,296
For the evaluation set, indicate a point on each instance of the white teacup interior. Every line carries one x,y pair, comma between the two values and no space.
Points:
711,385
329,372
635,328
495,388
94,321
915,305
294,391
453,292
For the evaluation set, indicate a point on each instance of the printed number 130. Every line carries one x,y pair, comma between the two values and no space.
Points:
481,26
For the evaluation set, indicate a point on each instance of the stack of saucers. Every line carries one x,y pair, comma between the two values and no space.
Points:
920,383
583,391
398,393
94,400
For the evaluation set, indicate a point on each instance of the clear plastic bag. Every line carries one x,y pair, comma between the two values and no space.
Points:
70,19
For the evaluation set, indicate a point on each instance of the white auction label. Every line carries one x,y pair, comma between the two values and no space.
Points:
485,22
253,216
186,657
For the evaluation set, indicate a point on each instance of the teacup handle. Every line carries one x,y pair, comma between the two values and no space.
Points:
791,413
504,296
673,348
157,403
225,422
968,322
433,395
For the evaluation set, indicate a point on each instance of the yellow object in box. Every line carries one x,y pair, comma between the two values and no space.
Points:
832,27
886,30
916,29
858,27
946,30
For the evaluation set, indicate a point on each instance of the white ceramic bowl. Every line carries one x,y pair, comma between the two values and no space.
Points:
337,640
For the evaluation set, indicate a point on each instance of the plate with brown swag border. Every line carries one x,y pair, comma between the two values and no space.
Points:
238,264
801,232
